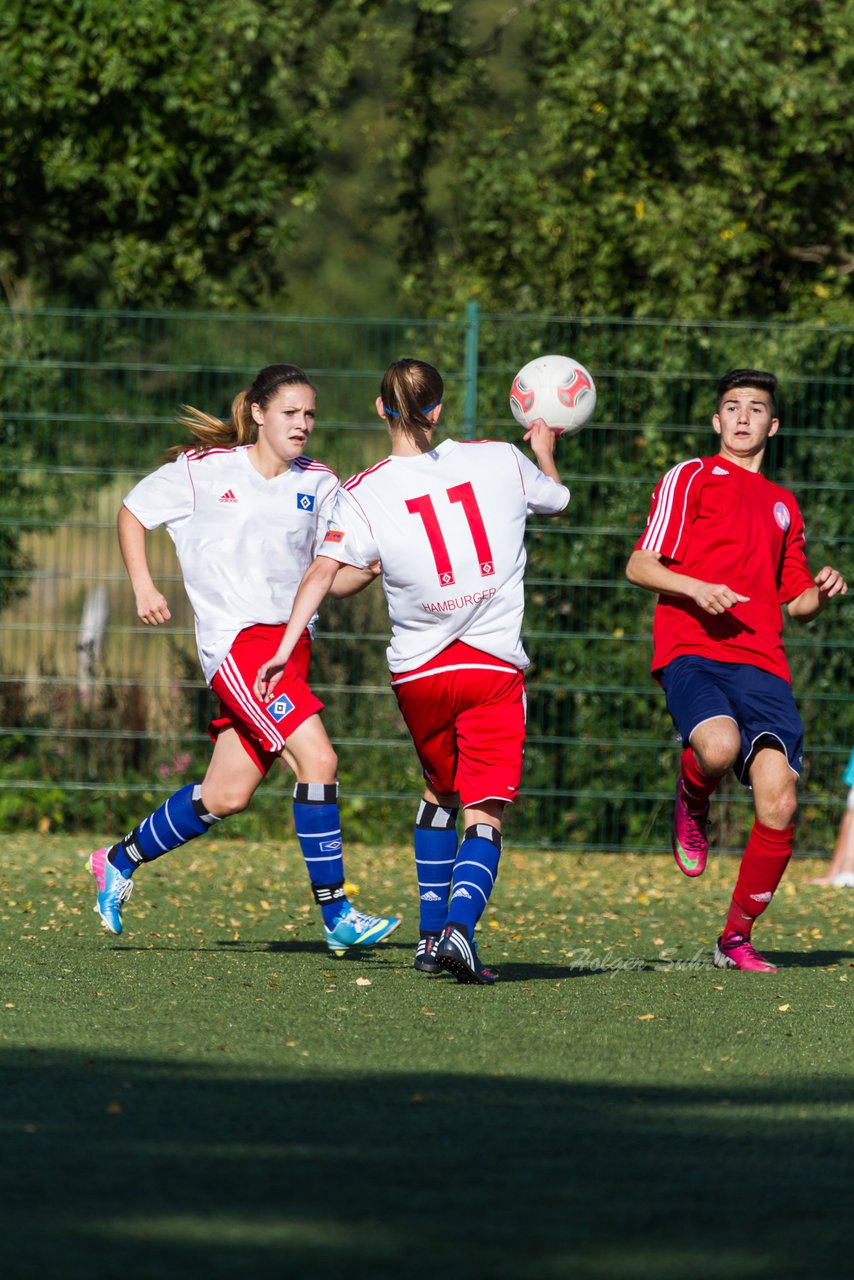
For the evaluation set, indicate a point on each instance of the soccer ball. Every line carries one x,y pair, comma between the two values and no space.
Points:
557,389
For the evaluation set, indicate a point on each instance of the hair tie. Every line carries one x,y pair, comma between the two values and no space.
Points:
390,413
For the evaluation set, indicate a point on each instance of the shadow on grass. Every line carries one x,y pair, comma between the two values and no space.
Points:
808,959
135,1168
508,971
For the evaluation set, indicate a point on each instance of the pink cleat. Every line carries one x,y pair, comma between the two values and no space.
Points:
690,841
734,951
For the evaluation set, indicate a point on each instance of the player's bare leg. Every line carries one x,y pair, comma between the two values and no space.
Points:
841,870
232,777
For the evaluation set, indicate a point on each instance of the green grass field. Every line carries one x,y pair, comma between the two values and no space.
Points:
212,1094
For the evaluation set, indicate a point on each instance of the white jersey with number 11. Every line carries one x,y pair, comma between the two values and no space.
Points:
448,528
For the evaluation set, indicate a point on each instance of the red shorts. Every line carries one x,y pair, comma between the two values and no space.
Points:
263,729
466,713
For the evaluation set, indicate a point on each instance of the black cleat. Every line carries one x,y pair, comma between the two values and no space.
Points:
425,956
458,954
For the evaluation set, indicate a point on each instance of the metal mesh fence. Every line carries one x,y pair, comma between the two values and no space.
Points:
102,717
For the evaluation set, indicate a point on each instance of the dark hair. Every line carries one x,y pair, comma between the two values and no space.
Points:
210,433
758,378
409,390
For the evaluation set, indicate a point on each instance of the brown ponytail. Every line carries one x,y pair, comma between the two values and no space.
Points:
409,390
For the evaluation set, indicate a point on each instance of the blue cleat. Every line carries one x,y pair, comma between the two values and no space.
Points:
114,889
354,929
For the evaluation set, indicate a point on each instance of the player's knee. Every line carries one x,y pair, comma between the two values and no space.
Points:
227,801
716,747
715,758
321,764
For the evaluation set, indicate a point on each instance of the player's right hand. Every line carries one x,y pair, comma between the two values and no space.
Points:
717,597
267,678
151,608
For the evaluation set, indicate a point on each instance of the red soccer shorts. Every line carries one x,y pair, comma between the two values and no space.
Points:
263,728
465,711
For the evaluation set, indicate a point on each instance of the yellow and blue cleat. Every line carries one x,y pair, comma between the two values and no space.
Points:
355,929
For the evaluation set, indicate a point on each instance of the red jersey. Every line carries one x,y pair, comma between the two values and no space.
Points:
713,520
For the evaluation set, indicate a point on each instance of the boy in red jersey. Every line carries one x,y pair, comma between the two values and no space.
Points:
724,550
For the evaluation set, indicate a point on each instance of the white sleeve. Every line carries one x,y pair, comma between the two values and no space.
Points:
349,538
324,512
165,495
545,497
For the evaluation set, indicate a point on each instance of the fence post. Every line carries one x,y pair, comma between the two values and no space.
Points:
470,371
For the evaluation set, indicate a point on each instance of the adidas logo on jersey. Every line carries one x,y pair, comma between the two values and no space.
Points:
228,496
719,471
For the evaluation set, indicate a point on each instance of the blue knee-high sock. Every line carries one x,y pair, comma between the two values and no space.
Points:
475,873
181,818
318,826
435,853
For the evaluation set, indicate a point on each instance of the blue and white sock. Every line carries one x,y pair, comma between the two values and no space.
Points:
181,818
318,826
475,874
435,854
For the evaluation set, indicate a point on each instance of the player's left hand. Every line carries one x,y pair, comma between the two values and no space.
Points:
830,583
540,436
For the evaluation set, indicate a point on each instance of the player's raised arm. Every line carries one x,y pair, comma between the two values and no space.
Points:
542,439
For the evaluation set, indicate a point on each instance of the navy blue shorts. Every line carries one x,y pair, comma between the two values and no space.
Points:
762,706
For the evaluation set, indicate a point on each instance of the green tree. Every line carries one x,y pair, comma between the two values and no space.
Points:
689,160
153,153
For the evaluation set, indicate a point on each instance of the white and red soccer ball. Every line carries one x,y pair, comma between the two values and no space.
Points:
557,389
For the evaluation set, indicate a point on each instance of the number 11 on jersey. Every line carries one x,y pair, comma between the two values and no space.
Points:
464,494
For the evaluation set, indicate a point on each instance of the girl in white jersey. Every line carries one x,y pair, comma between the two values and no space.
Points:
246,510
446,523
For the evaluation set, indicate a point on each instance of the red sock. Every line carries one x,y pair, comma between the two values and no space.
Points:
696,785
762,865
